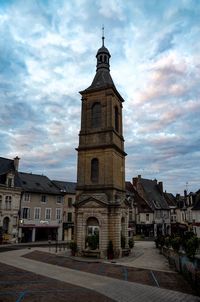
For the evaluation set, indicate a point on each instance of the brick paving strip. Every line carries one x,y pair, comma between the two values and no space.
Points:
173,281
119,290
17,285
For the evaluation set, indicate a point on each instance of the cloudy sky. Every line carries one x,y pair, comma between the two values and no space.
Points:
47,55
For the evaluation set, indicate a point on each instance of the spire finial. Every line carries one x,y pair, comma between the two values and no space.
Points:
103,35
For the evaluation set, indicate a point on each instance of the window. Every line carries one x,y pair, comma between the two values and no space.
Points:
94,170
92,226
27,197
10,182
58,213
69,202
37,213
26,213
1,202
59,199
116,119
158,214
147,217
96,115
47,213
43,198
8,201
69,217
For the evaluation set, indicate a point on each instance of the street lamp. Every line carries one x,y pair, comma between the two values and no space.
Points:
135,214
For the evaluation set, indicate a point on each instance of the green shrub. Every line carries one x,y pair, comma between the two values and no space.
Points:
93,241
167,241
131,243
191,246
176,243
160,241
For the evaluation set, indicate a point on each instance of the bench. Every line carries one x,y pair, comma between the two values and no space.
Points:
91,253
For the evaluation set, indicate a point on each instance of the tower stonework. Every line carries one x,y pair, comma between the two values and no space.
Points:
101,208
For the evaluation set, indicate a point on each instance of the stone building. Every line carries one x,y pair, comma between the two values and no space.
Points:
10,193
101,208
141,216
41,209
152,192
68,190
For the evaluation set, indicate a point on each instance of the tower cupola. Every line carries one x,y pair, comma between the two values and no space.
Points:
103,56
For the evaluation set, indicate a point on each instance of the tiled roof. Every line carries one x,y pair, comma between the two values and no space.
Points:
196,206
6,165
170,198
153,194
141,204
37,183
102,79
66,186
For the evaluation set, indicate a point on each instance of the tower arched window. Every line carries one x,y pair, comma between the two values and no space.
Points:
95,170
116,119
96,115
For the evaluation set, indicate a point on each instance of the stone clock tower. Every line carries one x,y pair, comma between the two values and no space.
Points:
101,210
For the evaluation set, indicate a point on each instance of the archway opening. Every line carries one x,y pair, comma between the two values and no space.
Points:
92,234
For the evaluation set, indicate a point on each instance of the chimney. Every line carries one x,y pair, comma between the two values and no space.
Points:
135,181
16,163
160,186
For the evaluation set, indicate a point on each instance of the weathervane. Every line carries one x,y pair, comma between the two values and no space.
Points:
103,35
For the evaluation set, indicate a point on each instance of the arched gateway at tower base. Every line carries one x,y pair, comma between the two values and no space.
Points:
101,208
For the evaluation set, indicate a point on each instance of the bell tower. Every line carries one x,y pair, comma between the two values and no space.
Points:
101,161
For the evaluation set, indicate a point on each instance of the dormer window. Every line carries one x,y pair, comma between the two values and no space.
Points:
10,182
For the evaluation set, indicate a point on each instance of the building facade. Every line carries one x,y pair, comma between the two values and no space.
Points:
152,192
10,194
68,190
101,209
41,209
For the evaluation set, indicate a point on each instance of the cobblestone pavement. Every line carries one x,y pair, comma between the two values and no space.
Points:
161,279
119,290
145,255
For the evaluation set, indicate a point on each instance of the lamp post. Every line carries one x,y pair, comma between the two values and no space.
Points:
163,225
135,214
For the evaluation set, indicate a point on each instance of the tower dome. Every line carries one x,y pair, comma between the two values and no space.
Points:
103,57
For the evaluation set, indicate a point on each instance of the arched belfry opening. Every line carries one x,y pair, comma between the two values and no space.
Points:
100,197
